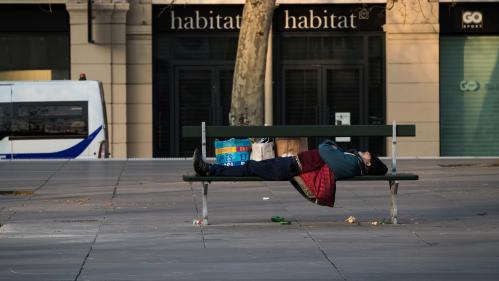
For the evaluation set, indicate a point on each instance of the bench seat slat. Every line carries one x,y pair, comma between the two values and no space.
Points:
403,176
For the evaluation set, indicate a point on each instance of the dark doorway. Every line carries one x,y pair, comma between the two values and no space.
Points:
317,94
331,78
202,93
194,51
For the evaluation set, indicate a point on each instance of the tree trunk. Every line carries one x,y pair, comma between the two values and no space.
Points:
247,107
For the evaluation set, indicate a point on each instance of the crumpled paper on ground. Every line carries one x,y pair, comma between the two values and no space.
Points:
351,220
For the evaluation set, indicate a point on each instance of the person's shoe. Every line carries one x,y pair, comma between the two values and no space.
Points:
200,166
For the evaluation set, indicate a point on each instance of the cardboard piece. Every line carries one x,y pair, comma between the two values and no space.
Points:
290,146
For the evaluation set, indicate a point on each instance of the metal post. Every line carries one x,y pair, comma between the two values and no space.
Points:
203,139
394,186
394,147
205,203
205,184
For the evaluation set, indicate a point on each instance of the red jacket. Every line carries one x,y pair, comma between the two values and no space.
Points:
317,177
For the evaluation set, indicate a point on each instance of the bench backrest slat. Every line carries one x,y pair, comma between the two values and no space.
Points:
300,131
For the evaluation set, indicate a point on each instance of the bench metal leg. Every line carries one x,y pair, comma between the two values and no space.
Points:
205,203
394,186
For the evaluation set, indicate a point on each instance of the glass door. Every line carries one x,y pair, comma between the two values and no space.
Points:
202,94
195,100
344,102
301,95
323,95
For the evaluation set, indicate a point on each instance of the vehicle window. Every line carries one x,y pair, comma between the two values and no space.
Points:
50,119
4,119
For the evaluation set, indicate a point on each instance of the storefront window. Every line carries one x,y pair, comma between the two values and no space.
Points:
375,82
34,42
301,48
27,52
340,47
193,71
205,48
313,47
303,106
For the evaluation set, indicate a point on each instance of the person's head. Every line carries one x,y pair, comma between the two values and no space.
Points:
373,165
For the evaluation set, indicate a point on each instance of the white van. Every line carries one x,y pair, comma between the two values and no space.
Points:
52,120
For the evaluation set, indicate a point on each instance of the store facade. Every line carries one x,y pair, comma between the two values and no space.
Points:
327,66
469,79
194,52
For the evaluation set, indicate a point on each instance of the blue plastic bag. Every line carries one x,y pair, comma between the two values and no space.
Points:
232,152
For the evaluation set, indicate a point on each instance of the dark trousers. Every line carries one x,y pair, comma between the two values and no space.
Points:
280,168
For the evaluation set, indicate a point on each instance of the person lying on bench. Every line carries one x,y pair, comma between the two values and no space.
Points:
342,163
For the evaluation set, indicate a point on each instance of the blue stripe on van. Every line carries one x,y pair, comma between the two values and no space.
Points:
69,153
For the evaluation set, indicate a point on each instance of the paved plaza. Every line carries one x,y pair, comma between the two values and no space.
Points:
132,220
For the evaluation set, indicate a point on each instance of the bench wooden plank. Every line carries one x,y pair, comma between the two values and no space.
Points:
299,131
389,177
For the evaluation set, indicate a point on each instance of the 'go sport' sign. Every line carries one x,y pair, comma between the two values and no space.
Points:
185,18
469,18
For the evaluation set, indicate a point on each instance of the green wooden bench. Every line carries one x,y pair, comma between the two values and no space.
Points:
326,131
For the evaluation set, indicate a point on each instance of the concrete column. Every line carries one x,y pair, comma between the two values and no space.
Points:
412,71
105,60
139,79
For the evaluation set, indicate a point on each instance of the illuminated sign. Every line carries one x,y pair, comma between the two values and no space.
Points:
190,18
469,18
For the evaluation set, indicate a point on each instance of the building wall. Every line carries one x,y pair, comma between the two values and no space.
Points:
122,59
139,78
412,73
103,60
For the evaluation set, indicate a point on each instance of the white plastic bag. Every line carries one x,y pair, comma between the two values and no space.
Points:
261,151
